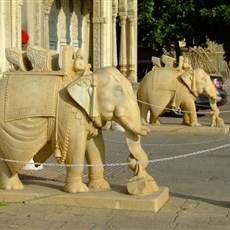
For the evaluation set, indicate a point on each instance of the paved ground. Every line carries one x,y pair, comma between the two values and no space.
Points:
198,180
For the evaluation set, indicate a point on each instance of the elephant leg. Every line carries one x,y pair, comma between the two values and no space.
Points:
95,155
155,113
7,180
185,119
76,155
144,113
153,120
190,107
159,101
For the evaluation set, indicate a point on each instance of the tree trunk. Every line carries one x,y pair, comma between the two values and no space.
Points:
177,49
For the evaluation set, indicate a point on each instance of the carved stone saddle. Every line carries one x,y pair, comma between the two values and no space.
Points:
30,95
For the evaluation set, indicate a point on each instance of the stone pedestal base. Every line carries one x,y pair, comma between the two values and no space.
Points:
47,192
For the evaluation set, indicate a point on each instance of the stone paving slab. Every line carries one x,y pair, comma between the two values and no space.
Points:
50,192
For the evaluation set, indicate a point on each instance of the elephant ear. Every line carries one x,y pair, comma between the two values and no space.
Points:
83,90
188,77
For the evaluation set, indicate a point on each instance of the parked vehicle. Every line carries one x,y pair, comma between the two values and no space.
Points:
202,102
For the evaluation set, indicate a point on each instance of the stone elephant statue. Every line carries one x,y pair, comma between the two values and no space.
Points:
45,113
165,88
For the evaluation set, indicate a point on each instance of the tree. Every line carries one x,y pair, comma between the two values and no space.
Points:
216,16
163,23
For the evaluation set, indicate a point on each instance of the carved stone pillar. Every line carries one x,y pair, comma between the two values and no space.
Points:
114,32
2,40
132,40
47,8
122,8
123,48
132,47
37,33
99,33
96,34
34,17
103,20
89,50
15,19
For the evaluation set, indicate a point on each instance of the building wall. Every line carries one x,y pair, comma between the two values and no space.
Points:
90,26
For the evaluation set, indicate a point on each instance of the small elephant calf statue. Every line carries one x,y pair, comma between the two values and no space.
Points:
46,112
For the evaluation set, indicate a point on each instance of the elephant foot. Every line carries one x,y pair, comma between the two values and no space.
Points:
192,124
185,123
195,124
12,183
218,123
76,187
141,185
154,121
100,184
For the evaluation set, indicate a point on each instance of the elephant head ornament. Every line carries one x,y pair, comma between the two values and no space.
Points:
77,109
166,88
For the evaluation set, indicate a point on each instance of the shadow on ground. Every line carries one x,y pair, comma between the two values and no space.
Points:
224,204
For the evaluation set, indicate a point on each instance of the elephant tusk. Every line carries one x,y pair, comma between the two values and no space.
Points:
125,123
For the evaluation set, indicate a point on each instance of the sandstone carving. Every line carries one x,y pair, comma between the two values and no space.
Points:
170,62
176,87
50,112
18,59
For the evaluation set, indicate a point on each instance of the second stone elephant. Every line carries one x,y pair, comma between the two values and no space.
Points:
42,113
166,88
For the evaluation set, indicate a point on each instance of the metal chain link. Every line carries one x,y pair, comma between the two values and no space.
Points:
121,164
168,145
189,154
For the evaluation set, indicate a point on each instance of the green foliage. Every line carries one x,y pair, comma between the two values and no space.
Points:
2,203
165,22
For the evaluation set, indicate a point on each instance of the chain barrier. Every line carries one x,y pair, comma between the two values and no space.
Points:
183,111
138,162
189,154
168,145
121,164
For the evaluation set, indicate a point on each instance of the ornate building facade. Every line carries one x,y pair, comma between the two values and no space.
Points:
105,29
